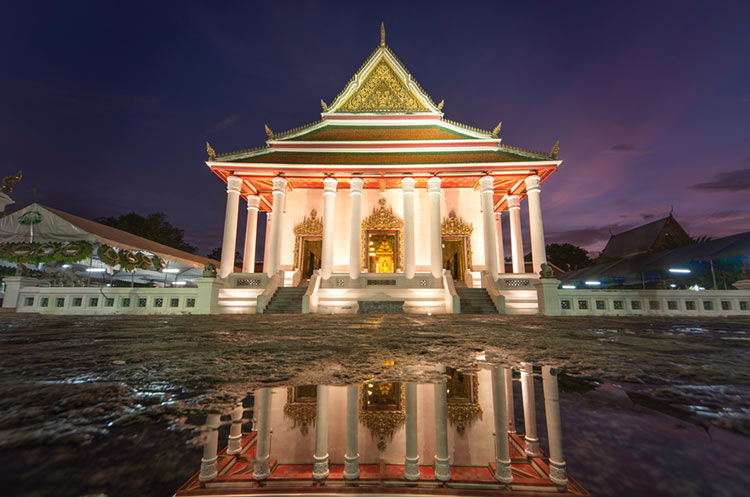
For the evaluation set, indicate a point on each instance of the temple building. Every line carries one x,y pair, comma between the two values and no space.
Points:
384,184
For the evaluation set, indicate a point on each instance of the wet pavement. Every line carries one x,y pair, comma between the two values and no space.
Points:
112,405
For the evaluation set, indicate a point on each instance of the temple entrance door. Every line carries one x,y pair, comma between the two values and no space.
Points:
454,256
382,251
310,252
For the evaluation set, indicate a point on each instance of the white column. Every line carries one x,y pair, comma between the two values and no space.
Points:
208,461
261,468
538,252
269,215
320,464
351,458
509,404
251,234
500,248
274,244
529,410
355,231
229,243
407,187
411,465
502,452
516,242
436,239
329,216
234,444
487,190
554,430
442,464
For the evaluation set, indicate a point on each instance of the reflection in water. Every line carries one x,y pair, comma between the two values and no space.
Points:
446,437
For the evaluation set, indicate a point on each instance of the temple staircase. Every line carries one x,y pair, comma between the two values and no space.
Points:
286,300
475,301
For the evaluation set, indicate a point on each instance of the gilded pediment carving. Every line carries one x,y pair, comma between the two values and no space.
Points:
382,90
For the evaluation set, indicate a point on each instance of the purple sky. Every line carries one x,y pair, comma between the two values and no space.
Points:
106,106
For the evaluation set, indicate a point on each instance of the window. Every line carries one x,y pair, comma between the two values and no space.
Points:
60,302
77,301
142,302
93,301
708,305
617,305
565,304
653,305
44,302
726,305
601,305
744,305
158,302
190,303
635,305
174,302
583,305
28,301
672,305
690,305
109,302
125,302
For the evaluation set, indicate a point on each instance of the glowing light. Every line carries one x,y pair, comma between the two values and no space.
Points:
170,270
95,270
593,283
66,266
672,286
179,283
569,287
678,270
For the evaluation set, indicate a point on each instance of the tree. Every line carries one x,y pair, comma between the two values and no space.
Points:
567,257
153,227
215,254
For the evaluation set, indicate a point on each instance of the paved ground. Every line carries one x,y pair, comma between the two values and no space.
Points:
106,383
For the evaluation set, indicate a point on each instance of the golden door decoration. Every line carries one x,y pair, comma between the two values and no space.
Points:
301,405
383,219
382,90
463,399
382,409
456,226
310,226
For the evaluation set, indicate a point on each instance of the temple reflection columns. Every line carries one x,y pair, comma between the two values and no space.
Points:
554,430
261,468
351,458
320,466
210,446
442,460
411,464
234,445
502,452
529,410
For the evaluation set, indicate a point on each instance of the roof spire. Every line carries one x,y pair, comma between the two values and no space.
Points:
382,34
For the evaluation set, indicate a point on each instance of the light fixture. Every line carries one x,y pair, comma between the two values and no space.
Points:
672,286
170,270
569,287
678,270
593,283
95,270
179,283
66,266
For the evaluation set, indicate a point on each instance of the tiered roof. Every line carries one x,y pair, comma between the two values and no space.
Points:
380,127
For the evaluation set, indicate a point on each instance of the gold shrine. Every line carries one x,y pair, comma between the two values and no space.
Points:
463,399
456,238
382,240
382,409
300,407
307,242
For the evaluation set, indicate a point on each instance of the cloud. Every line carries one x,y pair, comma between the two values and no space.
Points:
730,181
586,237
224,123
720,217
623,147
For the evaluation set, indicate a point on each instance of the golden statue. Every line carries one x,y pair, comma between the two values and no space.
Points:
9,181
496,131
211,152
269,132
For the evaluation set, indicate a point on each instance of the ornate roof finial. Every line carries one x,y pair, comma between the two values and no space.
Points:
211,152
323,105
440,105
555,150
382,34
269,132
496,131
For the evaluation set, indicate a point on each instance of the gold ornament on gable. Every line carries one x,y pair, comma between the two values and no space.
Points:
382,90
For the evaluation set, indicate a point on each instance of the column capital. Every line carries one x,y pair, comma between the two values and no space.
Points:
253,202
514,202
355,186
279,185
234,183
329,185
532,183
498,216
486,184
407,184
433,184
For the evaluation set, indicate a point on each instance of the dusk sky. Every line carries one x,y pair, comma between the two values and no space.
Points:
107,106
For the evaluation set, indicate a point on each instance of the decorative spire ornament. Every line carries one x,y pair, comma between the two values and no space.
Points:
382,34
211,152
555,150
323,105
496,131
440,105
269,132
